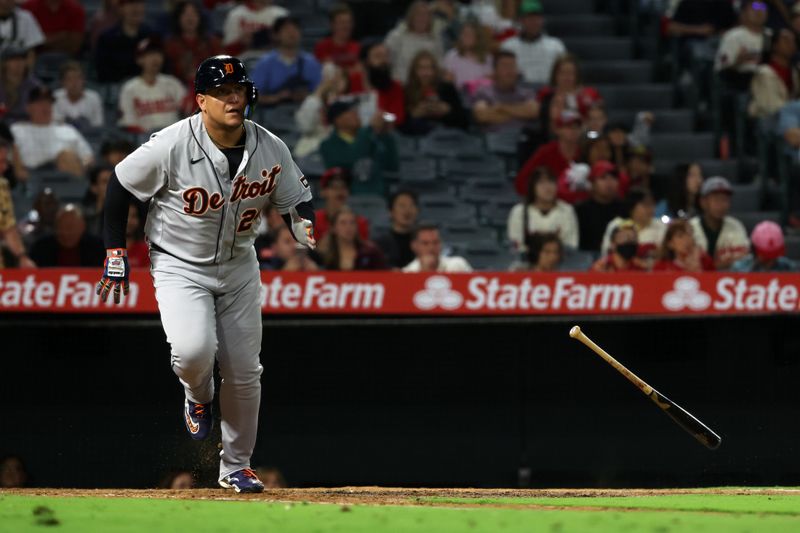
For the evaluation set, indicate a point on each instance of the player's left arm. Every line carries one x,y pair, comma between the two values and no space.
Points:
292,198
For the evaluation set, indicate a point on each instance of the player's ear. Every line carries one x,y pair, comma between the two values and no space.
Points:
201,100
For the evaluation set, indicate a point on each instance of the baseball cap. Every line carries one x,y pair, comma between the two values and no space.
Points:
568,117
338,107
40,92
334,173
531,7
151,44
14,51
715,184
767,239
601,168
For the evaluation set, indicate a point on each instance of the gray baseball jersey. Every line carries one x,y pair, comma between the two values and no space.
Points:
207,283
198,213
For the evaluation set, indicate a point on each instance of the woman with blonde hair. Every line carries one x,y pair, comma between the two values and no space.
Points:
430,99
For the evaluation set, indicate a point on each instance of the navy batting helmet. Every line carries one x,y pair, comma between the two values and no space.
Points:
218,70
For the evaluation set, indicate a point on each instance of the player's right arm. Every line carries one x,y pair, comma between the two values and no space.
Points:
139,176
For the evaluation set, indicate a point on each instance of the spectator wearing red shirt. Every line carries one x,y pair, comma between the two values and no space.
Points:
555,155
375,76
138,251
679,251
565,92
190,42
63,23
335,185
622,254
339,48
573,185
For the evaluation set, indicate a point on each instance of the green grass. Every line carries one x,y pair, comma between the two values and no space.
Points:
693,513
716,503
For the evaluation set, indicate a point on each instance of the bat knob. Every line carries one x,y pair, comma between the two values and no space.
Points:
575,331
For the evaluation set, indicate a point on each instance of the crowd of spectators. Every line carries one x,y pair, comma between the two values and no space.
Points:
483,68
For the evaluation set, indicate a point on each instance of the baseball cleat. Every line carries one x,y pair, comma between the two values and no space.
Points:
244,480
198,419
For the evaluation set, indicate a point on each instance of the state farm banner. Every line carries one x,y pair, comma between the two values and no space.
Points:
481,293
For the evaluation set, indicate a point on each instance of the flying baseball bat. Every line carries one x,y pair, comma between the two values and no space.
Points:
683,418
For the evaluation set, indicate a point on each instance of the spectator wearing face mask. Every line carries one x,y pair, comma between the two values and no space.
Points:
639,212
621,256
768,251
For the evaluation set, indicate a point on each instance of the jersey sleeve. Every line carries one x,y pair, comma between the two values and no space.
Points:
145,171
292,187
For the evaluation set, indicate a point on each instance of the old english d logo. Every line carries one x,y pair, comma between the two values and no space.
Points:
228,68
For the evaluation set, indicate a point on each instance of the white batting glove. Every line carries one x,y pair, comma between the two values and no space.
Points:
303,231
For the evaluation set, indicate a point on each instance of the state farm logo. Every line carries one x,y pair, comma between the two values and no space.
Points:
438,292
686,294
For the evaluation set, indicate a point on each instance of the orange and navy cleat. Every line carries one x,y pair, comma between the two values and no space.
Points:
244,480
198,419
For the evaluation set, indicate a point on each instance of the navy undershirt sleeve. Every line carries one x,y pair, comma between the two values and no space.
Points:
115,213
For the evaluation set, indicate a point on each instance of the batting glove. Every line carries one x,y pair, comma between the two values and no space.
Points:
303,231
115,274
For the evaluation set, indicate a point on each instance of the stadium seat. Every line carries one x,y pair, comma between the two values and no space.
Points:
688,147
616,72
503,142
459,169
576,260
278,118
598,48
746,198
793,247
440,210
368,203
574,24
69,191
450,143
482,191
651,96
750,219
311,165
460,233
487,255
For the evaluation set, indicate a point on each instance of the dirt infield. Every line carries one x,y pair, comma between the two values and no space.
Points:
382,495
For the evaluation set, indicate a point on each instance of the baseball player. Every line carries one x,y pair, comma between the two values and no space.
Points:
206,179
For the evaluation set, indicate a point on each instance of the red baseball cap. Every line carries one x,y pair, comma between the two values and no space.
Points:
601,168
334,173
